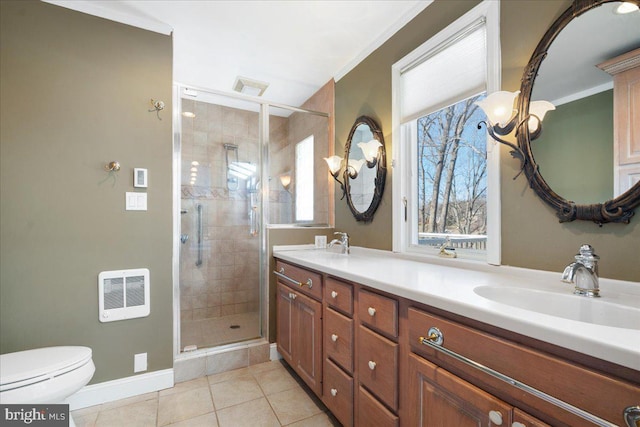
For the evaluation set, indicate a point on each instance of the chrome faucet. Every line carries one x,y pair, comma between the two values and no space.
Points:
584,273
343,241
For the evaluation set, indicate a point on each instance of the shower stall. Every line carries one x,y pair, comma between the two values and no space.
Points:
227,193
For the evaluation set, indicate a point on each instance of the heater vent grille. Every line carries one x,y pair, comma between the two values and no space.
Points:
123,294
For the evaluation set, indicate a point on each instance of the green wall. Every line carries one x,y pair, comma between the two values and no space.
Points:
75,94
532,237
578,136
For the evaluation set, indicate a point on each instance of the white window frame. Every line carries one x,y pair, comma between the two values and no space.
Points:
489,10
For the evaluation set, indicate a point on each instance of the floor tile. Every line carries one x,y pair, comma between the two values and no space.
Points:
185,386
206,420
141,414
256,413
293,405
182,406
129,401
320,420
266,366
229,375
275,380
235,391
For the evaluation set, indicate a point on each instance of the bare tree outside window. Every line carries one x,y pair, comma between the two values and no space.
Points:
452,176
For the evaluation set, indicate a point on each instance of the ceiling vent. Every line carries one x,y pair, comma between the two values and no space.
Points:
249,86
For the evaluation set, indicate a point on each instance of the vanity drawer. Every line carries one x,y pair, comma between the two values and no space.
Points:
338,393
339,295
307,282
378,312
378,365
373,413
338,338
526,365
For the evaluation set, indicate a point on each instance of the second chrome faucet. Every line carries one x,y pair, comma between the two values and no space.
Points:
343,242
583,272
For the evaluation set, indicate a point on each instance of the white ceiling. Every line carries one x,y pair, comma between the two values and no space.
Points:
296,46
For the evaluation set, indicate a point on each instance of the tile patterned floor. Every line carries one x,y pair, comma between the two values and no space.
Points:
267,394
218,331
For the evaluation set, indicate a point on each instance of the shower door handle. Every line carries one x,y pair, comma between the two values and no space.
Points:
199,261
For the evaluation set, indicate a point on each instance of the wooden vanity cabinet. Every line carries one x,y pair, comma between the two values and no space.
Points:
359,349
299,325
339,343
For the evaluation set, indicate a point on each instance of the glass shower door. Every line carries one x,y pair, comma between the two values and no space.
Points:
220,283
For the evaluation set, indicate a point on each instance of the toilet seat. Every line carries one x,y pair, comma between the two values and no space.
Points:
24,368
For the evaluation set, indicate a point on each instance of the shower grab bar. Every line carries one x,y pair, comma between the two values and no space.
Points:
199,261
435,339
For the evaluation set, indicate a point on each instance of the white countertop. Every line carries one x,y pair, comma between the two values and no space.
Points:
449,284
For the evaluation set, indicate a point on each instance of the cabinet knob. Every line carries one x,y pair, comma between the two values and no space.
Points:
334,392
372,365
517,424
334,337
495,417
281,270
309,283
371,311
292,295
334,294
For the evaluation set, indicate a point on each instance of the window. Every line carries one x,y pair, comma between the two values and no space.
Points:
304,180
447,193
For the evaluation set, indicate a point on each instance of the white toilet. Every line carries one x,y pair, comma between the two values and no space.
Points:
44,375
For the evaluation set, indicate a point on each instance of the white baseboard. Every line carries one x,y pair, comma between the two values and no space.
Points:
273,352
122,388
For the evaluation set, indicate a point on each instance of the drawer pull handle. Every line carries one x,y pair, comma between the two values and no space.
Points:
632,416
517,424
334,337
334,294
281,270
334,392
495,417
527,388
372,365
371,311
434,336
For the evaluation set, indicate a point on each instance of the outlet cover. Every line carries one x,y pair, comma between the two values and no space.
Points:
140,362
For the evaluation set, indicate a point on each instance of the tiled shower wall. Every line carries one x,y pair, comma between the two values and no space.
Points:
228,280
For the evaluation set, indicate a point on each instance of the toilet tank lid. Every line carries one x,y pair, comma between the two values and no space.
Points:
23,365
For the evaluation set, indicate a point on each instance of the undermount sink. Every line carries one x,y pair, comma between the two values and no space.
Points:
597,311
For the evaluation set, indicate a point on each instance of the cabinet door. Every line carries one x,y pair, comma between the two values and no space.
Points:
522,419
285,307
440,399
307,341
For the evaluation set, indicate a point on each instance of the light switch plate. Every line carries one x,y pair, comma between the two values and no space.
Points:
136,201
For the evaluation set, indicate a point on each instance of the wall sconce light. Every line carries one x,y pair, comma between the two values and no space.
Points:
370,150
352,170
285,180
502,119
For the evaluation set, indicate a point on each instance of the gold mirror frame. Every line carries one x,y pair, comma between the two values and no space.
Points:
619,209
381,172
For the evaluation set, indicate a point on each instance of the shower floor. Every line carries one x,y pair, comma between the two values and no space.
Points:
220,330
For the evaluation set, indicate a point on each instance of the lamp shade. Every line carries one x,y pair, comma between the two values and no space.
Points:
285,180
354,167
498,107
334,163
538,108
370,149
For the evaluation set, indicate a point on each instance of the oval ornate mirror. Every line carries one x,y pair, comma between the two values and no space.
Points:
367,166
575,166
